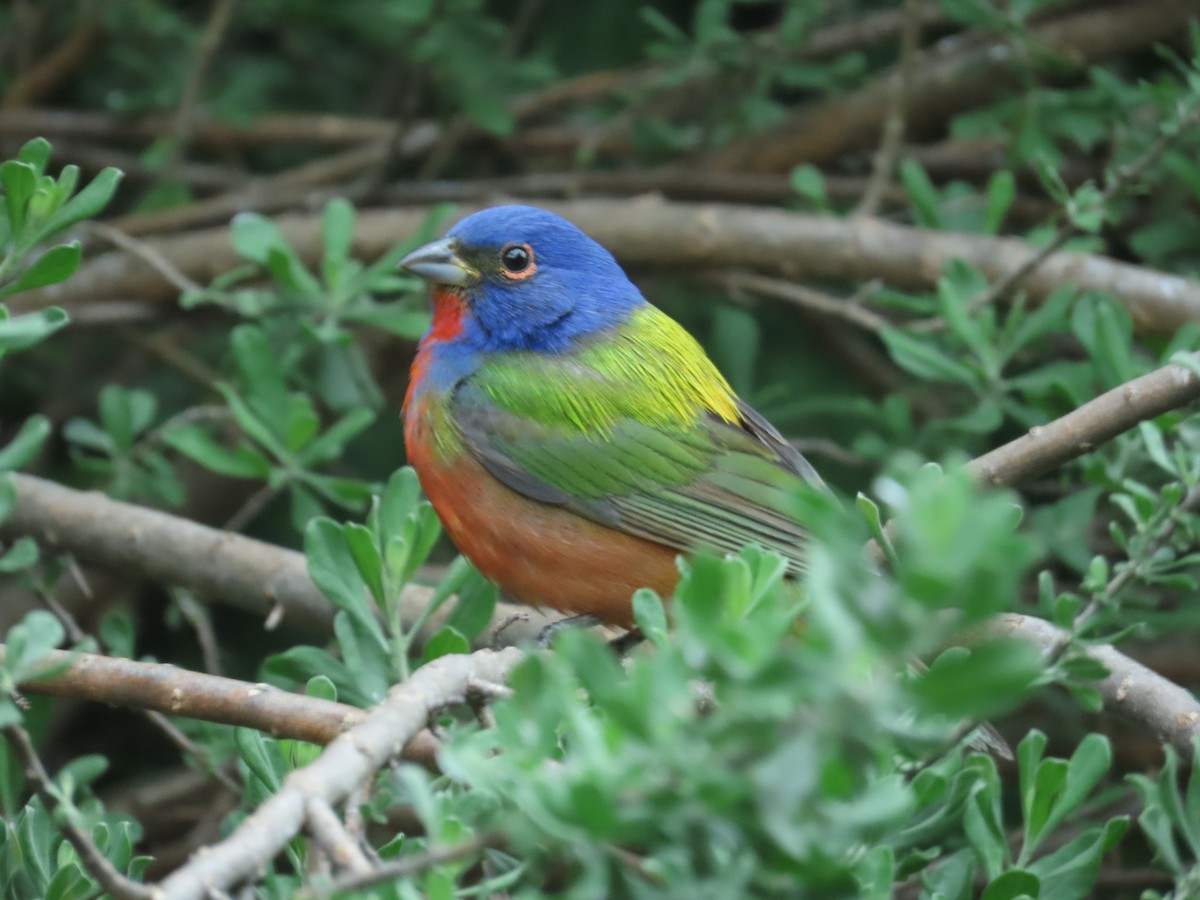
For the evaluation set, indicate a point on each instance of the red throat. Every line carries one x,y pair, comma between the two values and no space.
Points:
449,308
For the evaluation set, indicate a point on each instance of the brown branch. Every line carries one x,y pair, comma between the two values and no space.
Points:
210,40
1081,431
55,67
655,232
1131,689
168,690
333,837
893,126
350,759
217,566
806,298
406,867
673,184
950,79
93,860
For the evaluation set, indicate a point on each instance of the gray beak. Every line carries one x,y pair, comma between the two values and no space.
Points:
438,263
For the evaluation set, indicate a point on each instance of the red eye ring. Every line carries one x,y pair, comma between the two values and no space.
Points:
516,261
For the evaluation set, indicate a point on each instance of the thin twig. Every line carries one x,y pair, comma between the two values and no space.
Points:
1046,447
194,750
333,837
348,761
884,162
146,253
201,622
1117,182
210,40
1131,570
407,867
806,298
93,860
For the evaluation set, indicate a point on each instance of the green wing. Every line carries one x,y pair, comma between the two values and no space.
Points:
686,482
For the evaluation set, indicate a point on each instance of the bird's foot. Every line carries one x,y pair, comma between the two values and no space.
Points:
624,644
583,620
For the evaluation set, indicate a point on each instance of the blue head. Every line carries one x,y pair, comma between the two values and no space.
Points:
531,279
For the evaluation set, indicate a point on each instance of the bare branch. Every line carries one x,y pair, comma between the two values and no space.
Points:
654,232
210,40
332,836
407,867
348,761
180,692
893,126
1172,712
951,78
1081,431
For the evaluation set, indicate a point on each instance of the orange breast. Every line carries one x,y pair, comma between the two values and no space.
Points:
538,554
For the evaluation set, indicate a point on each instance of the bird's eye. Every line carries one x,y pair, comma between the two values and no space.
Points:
517,260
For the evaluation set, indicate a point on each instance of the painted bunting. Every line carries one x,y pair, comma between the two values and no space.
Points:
572,437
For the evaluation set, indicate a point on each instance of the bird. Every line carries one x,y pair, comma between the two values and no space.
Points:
573,439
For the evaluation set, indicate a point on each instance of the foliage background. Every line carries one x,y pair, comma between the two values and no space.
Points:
263,397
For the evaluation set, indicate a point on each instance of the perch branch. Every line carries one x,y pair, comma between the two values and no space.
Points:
349,760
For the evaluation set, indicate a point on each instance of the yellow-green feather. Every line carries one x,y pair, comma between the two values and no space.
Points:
649,370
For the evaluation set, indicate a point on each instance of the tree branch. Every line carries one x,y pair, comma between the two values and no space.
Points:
1081,431
950,79
211,698
1140,694
655,232
348,761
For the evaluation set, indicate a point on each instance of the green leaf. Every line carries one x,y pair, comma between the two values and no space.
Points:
920,357
922,193
650,615
25,446
55,265
21,555
475,605
197,444
809,182
35,152
337,234
29,642
18,180
446,641
20,332
1069,873
399,318
1013,884
333,440
261,756
1001,192
125,414
981,681
84,205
